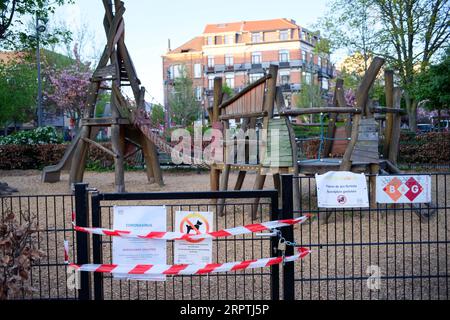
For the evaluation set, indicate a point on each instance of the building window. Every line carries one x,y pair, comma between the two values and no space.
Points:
229,61
198,93
197,70
304,56
229,39
285,77
256,58
176,71
229,79
255,77
307,76
311,57
325,85
256,37
210,61
170,73
210,41
284,56
319,61
211,83
284,35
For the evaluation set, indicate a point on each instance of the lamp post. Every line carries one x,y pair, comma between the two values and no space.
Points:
40,27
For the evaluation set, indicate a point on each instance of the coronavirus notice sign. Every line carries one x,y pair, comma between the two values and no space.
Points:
403,189
342,190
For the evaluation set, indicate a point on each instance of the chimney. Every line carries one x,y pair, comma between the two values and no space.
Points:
168,46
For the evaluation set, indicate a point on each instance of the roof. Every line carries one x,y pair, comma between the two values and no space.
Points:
251,26
193,45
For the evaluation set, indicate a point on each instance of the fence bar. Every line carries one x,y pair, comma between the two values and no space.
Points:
81,211
288,234
97,252
275,270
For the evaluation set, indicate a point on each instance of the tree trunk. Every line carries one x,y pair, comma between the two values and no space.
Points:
411,107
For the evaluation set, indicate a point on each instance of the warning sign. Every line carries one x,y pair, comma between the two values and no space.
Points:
403,189
342,190
193,251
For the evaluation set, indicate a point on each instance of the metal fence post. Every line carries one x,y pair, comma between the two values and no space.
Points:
97,252
82,239
288,234
275,270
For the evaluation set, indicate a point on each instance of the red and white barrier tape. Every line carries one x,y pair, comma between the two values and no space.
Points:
265,226
193,269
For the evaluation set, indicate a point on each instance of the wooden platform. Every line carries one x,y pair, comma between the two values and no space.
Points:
311,167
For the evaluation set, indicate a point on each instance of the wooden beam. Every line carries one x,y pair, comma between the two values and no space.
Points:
331,132
305,111
99,146
362,95
215,172
244,116
388,110
396,129
388,130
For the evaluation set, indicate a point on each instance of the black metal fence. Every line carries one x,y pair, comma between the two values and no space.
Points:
259,284
51,221
386,252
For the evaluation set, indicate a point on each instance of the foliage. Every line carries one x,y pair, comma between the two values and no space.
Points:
13,16
433,85
183,105
229,92
409,33
39,136
157,115
17,252
429,148
18,91
69,88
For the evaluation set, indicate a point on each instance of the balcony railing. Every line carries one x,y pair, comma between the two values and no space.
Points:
229,68
285,64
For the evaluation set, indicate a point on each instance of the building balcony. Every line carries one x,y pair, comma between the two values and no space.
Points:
285,64
257,66
209,92
291,87
229,68
240,67
219,68
209,69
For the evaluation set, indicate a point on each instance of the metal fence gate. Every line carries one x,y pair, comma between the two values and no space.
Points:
384,253
259,284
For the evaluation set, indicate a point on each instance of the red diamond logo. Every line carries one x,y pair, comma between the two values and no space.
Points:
415,189
392,189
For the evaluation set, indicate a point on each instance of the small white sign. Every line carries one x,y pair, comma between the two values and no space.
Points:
342,190
403,189
128,251
193,251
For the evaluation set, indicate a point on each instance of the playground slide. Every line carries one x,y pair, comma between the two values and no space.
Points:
162,145
52,174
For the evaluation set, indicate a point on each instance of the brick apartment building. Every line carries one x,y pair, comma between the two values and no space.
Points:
241,52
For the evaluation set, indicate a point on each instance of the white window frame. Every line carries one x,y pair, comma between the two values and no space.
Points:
304,56
211,82
284,53
285,73
211,40
229,39
197,70
255,77
211,62
228,58
254,55
285,32
229,80
199,93
325,84
256,37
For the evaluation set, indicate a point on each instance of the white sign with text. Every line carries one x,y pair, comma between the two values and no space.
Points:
131,251
342,190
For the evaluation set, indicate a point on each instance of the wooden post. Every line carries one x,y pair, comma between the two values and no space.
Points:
215,173
396,129
269,104
388,131
362,97
374,170
331,132
225,174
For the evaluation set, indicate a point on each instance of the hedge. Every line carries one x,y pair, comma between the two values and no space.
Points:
431,148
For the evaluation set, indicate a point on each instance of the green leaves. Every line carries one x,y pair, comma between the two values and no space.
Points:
39,136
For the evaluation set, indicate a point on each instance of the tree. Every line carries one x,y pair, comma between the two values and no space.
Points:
12,14
69,88
309,96
433,86
18,90
184,107
408,33
157,115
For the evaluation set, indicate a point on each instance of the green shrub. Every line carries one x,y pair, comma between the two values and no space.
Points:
39,136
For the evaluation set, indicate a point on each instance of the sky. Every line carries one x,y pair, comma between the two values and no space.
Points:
149,24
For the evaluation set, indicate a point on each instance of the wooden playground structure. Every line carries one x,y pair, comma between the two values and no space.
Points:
259,107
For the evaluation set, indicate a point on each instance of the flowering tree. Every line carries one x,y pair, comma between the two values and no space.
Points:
69,88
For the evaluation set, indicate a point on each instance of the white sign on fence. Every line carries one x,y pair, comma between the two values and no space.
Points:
130,251
342,190
403,189
193,251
